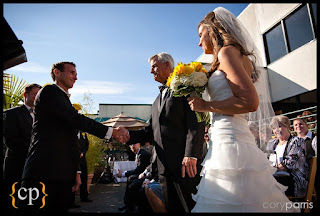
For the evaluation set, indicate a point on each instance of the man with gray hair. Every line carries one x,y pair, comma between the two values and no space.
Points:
178,139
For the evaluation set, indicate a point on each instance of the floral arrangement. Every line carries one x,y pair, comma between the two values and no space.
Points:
189,80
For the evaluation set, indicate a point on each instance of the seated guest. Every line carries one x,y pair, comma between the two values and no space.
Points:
301,127
205,146
290,157
151,197
148,147
155,196
254,128
262,134
309,119
142,160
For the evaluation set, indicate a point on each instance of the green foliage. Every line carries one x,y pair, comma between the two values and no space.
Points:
188,90
13,89
95,152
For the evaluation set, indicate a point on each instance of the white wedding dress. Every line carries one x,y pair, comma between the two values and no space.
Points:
236,174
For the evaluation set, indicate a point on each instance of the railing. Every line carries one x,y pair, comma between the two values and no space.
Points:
314,115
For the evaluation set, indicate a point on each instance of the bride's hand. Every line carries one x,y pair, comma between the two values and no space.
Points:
197,104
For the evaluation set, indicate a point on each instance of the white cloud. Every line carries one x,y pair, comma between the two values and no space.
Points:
100,88
29,67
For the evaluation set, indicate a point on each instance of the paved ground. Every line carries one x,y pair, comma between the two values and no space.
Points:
107,198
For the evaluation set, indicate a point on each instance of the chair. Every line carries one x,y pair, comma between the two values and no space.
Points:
311,192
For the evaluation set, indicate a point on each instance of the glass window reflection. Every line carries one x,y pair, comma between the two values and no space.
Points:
298,28
275,44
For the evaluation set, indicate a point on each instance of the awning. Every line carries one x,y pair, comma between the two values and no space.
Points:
128,122
12,51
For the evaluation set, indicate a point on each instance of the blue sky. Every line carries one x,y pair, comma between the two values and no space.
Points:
110,44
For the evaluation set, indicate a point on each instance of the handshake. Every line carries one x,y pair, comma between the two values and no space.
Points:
120,135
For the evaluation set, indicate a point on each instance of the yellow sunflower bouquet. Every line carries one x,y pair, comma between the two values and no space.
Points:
189,80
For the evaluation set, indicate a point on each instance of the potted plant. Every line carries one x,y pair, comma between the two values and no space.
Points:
94,155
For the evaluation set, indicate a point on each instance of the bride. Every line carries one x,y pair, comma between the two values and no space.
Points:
236,174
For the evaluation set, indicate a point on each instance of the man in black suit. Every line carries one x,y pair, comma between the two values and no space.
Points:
142,160
17,126
178,139
54,142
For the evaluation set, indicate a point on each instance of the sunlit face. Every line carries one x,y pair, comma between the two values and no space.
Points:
160,70
135,147
300,126
281,131
67,77
205,41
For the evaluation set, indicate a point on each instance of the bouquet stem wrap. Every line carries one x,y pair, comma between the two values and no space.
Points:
201,116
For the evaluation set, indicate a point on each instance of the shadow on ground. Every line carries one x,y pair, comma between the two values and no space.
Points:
107,198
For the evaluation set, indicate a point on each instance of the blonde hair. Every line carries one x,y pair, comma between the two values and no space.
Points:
284,120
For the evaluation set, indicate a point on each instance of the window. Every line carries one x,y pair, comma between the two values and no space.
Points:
298,28
314,15
291,32
275,43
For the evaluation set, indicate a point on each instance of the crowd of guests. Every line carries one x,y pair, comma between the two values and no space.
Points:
287,152
289,148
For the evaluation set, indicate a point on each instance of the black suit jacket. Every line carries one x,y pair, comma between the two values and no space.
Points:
83,142
54,138
17,126
176,132
142,161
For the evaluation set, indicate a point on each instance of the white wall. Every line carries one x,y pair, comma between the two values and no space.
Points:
294,73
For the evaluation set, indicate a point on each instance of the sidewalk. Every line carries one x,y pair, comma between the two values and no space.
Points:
107,198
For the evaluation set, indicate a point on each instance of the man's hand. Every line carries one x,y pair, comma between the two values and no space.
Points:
281,167
119,174
189,164
78,183
145,183
120,134
141,175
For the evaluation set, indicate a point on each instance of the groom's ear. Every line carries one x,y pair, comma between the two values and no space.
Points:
56,72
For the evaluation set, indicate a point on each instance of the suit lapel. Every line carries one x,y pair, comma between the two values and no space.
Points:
165,97
157,102
26,114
